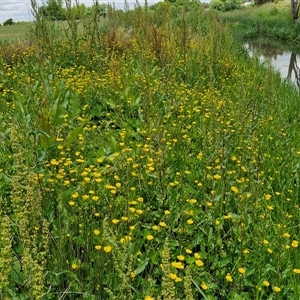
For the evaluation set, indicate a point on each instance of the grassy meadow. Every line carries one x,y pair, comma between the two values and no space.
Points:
146,156
271,21
13,32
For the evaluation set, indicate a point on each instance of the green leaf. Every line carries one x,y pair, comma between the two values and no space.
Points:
113,143
141,267
73,135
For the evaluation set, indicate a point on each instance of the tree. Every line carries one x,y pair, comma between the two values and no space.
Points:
8,22
53,9
295,9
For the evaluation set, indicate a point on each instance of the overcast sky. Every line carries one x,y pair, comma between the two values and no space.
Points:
19,10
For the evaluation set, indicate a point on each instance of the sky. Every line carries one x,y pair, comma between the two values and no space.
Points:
19,10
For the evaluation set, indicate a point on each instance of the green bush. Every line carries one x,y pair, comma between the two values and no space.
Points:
226,5
217,5
8,22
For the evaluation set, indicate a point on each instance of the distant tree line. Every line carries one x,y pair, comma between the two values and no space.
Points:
55,10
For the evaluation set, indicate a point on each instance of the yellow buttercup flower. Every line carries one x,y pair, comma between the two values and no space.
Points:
266,283
204,286
199,263
234,189
149,237
228,277
296,271
276,289
107,249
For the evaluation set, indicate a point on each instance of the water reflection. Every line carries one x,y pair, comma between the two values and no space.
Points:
285,61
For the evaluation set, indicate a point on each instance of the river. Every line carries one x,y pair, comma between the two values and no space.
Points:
287,62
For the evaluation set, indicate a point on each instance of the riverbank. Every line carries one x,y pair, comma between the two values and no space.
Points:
271,21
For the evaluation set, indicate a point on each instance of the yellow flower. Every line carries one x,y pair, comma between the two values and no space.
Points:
155,227
177,265
75,195
242,271
149,298
204,286
96,232
98,247
167,212
189,221
268,197
266,283
266,242
197,255
192,201
180,257
149,237
162,224
234,189
276,289
71,203
188,251
87,179
172,276
217,176
95,198
270,250
296,271
54,162
74,266
199,263
217,222
270,207
246,251
228,277
295,244
118,185
107,249
115,221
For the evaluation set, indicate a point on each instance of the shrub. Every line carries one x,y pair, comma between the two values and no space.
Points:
217,5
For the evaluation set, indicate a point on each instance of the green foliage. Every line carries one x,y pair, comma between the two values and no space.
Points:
145,156
53,9
271,21
8,22
217,5
225,5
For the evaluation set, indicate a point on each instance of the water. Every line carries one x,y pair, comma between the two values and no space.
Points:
287,62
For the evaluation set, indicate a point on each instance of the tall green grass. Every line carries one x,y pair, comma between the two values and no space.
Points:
146,158
271,21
